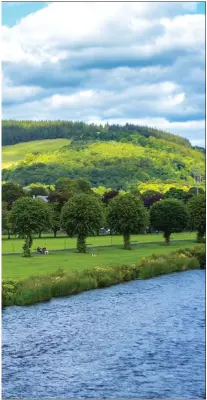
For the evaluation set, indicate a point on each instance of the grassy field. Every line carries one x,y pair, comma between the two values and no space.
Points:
17,267
13,154
63,242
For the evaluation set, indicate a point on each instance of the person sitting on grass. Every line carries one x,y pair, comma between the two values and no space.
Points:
45,251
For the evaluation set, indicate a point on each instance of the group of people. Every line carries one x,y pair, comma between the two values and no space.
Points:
42,250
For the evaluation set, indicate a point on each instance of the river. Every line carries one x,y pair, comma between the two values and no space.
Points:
143,339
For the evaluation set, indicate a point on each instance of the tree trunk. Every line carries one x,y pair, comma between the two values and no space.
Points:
127,244
30,241
167,238
27,245
9,234
55,234
40,235
81,244
200,236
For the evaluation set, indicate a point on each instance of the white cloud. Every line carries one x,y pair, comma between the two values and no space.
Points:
13,94
190,28
130,61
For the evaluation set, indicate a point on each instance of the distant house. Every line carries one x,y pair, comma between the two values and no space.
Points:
43,198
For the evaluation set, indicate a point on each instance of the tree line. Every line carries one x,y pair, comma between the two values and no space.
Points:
74,207
24,131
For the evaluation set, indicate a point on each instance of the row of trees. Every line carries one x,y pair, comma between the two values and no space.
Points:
84,214
68,186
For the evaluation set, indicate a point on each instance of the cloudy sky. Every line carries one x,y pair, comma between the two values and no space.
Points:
99,62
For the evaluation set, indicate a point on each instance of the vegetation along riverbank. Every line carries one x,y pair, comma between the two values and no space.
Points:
65,283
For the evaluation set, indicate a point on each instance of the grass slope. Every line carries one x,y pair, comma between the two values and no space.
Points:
17,267
15,153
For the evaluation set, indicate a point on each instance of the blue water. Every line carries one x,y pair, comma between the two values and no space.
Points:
143,339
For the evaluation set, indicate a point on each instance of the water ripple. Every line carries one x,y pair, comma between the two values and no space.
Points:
143,339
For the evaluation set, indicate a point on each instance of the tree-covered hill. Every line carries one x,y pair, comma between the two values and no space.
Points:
112,156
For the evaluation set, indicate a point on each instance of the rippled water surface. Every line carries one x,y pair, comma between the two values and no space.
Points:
143,339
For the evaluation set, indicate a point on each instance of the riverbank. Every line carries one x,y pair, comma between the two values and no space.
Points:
43,288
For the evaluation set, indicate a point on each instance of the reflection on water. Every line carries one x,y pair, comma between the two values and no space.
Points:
143,339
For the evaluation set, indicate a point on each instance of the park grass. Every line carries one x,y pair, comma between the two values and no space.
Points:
63,242
17,267
14,153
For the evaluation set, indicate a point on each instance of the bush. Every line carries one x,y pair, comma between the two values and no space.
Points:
199,252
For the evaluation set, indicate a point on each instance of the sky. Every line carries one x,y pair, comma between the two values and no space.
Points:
135,62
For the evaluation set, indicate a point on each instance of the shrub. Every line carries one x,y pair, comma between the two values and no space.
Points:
193,263
198,252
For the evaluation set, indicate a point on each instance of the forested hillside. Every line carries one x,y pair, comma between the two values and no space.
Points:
25,131
112,156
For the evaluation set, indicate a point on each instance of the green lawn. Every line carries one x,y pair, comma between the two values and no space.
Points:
17,267
63,242
13,154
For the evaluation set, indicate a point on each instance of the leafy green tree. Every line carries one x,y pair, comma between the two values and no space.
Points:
133,189
84,186
169,216
28,217
66,185
58,197
197,210
127,215
11,192
174,193
82,215
38,190
193,191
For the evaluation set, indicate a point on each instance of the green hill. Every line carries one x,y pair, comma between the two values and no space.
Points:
13,154
112,156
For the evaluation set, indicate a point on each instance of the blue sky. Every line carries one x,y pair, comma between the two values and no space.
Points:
142,63
12,12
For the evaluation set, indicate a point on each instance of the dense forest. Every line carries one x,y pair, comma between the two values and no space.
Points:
25,131
112,156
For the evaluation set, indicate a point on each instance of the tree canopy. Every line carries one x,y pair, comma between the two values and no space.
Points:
82,216
197,209
169,216
11,192
29,216
127,215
